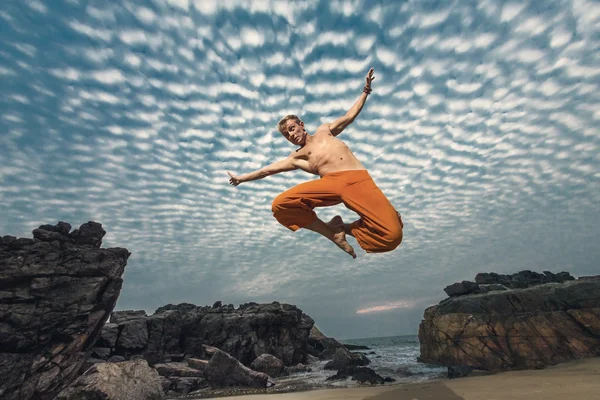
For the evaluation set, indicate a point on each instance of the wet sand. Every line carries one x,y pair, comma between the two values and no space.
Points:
578,379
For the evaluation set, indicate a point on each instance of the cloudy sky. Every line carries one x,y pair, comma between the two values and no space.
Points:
482,130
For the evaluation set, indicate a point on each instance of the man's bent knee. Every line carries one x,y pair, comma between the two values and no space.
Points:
278,203
394,239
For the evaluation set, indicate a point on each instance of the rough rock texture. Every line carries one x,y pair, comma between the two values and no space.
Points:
269,364
521,328
487,282
224,371
187,330
321,346
182,377
121,381
197,363
343,359
360,374
56,292
177,369
295,369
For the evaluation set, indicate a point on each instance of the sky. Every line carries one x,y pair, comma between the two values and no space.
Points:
482,130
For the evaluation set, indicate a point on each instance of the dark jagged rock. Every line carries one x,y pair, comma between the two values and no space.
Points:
356,347
321,346
183,385
56,292
544,319
247,332
459,372
523,279
487,282
225,371
360,374
461,288
108,381
268,364
344,359
182,377
108,336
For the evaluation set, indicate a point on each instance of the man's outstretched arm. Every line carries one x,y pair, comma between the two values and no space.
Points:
341,123
287,164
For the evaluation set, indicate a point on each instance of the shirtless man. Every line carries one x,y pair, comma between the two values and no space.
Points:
343,180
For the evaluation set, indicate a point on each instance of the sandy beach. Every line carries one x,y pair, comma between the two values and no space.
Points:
578,380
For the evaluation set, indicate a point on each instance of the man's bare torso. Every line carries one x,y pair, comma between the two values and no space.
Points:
324,154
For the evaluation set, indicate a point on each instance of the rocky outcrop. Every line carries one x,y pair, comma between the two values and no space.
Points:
343,359
269,364
224,371
56,292
487,282
321,346
359,374
529,323
121,381
186,330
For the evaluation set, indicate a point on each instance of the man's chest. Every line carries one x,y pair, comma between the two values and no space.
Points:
321,148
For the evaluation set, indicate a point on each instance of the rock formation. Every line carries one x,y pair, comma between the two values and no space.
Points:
223,371
520,321
116,381
56,292
177,334
185,330
321,346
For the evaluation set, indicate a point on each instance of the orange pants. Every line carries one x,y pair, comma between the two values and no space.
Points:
378,230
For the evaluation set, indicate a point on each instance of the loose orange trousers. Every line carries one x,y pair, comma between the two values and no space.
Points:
378,230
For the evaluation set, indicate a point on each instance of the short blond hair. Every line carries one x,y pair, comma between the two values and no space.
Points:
282,125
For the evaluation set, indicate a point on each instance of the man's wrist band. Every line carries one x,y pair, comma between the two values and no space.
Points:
367,90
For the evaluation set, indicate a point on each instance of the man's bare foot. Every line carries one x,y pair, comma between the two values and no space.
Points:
338,221
339,238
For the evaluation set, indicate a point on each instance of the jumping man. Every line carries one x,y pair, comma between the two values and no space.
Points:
343,180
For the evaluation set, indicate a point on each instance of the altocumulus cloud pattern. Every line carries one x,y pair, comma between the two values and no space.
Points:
482,129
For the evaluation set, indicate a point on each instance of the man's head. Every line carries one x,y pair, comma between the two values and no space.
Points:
292,128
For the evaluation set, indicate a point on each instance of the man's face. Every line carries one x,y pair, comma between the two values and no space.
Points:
295,132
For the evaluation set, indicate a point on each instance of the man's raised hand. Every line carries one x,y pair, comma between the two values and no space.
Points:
370,78
235,180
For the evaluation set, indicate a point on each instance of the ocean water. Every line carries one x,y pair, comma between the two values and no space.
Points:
394,357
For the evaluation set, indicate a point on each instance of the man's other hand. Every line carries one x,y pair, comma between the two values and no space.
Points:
235,180
370,78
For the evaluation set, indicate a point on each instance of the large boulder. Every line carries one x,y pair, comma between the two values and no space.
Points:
343,359
269,364
56,292
529,326
360,374
120,381
225,371
182,377
321,346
